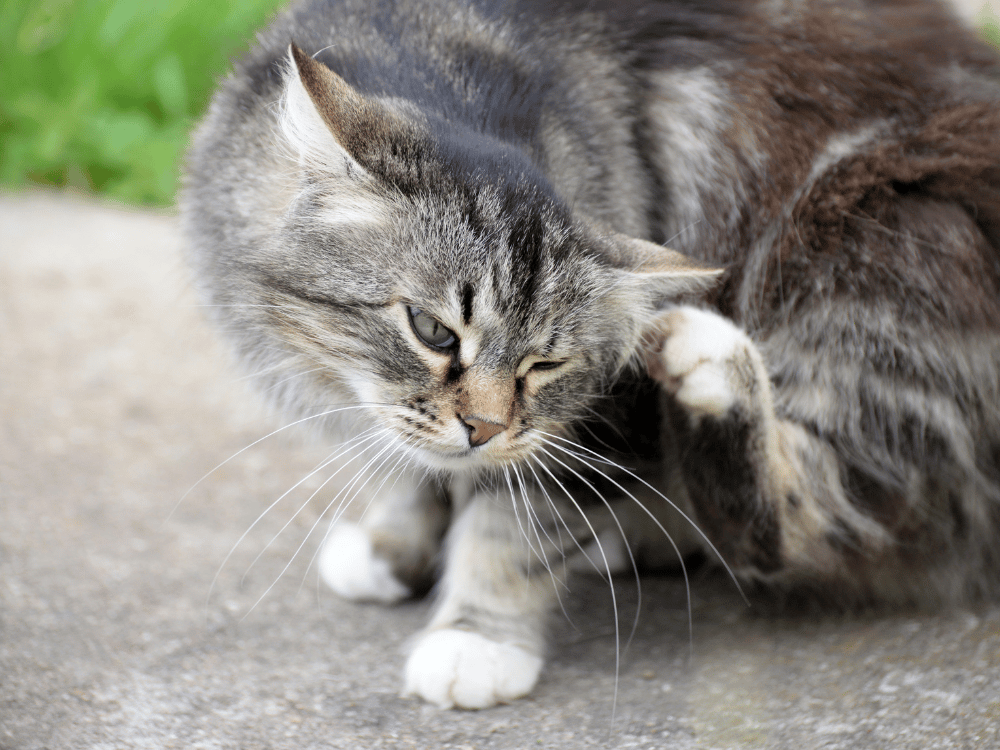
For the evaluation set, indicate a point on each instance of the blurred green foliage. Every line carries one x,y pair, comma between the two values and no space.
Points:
991,29
100,94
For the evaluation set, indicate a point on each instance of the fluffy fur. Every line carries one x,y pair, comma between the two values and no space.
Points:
434,226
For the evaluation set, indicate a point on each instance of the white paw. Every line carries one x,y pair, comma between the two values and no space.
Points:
697,359
459,668
349,566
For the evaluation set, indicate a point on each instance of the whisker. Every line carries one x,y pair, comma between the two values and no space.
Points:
271,434
309,499
666,534
267,510
338,514
621,531
607,567
556,514
537,523
517,517
274,385
601,418
311,529
235,305
601,459
535,520
270,368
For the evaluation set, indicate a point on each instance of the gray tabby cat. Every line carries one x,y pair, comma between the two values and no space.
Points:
437,227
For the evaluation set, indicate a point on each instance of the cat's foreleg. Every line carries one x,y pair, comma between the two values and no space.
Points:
388,554
484,643
767,492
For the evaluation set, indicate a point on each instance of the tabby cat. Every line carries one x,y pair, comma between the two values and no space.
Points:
439,229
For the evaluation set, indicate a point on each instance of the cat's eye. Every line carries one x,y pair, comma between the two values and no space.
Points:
430,331
543,365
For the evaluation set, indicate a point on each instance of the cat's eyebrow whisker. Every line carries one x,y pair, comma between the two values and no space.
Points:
601,459
610,579
351,445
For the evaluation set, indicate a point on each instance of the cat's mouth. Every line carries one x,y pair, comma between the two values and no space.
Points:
463,459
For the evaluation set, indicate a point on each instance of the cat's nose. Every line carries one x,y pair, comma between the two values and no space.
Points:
481,430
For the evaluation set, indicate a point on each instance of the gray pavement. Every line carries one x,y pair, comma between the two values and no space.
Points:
115,398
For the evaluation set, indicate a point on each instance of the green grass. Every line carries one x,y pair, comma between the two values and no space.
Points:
100,94
990,26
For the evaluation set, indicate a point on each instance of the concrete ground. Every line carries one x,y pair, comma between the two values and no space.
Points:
116,633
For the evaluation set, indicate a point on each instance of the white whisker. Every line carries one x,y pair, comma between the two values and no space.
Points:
537,523
671,503
360,446
621,531
338,514
517,516
312,528
607,567
293,377
271,434
349,446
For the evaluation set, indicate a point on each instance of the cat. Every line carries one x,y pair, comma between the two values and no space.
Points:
440,228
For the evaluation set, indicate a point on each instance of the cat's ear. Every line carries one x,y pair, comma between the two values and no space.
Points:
664,275
326,122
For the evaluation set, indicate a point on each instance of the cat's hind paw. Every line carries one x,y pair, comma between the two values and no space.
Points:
348,564
706,362
458,668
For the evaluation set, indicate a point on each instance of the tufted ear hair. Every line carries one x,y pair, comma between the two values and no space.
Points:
662,274
309,85
332,126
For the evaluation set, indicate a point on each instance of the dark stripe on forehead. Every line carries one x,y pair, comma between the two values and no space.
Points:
526,241
467,294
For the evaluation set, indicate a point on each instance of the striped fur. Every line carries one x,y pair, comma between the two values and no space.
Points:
433,226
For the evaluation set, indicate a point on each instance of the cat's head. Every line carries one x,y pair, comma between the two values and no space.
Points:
432,273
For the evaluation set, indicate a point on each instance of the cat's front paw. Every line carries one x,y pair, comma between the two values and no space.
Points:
458,668
704,361
349,566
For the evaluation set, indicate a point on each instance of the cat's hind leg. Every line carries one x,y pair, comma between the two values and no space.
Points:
389,554
766,492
